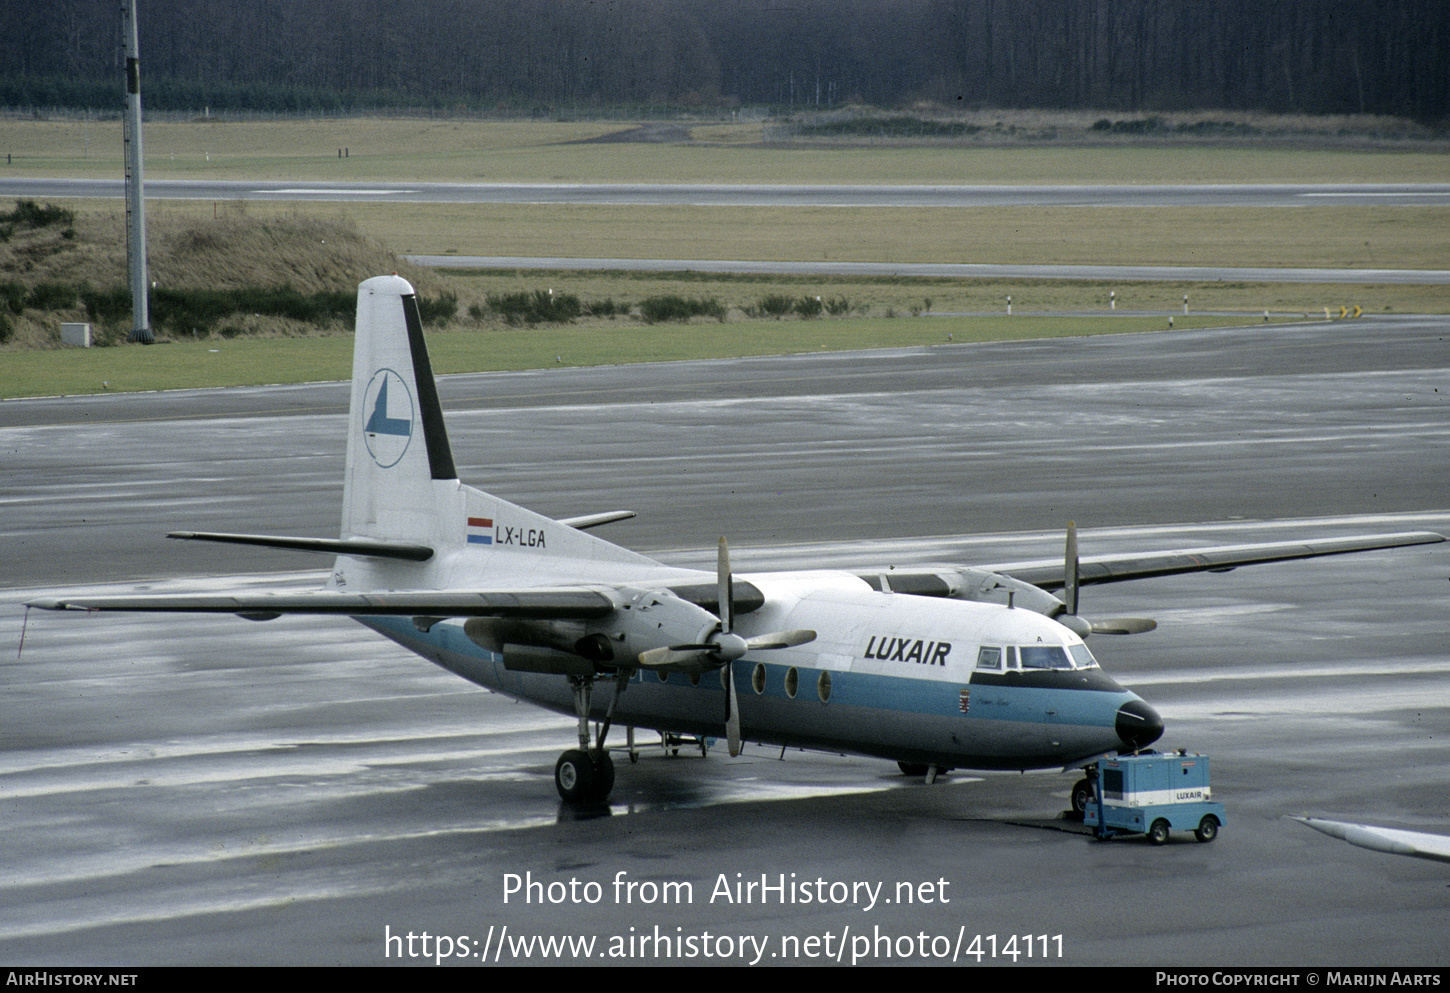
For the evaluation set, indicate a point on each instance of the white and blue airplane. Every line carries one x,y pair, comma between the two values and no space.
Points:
936,669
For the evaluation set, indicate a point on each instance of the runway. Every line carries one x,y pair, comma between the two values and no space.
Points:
1241,195
946,270
199,790
1238,196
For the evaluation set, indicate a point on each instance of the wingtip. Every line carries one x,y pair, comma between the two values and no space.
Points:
1391,841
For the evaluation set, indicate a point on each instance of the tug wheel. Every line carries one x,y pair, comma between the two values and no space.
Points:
1158,833
1207,829
1082,795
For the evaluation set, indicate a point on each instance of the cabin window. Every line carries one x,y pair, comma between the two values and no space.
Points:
757,678
989,658
823,686
792,682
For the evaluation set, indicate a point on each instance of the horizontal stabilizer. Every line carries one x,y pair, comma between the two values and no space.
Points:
334,546
594,520
540,603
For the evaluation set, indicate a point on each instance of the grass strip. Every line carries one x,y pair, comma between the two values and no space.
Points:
432,150
253,362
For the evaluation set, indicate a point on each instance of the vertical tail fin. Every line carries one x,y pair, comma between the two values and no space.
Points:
401,484
397,445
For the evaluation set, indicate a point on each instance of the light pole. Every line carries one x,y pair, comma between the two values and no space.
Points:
135,198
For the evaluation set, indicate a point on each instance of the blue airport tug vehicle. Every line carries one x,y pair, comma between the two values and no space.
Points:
1152,794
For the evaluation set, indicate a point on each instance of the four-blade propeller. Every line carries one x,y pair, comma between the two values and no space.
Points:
724,646
1071,582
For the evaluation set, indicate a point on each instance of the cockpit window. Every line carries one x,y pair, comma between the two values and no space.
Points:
1044,657
989,658
1055,657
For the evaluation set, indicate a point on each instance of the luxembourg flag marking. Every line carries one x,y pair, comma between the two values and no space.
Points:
480,530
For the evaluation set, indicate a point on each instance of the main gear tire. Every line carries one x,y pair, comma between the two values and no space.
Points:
603,777
574,776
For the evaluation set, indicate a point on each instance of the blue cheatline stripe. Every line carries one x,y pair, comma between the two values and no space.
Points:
869,691
480,539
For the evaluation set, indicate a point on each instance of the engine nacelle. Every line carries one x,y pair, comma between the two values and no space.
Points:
992,587
642,620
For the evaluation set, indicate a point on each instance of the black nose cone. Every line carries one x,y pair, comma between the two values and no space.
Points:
1138,724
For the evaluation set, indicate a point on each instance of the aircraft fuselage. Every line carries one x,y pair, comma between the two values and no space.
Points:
892,675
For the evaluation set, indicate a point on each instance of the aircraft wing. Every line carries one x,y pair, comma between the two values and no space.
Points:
1049,574
1146,565
1036,585
542,603
1394,842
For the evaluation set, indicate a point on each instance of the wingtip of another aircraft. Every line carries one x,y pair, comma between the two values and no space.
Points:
1392,841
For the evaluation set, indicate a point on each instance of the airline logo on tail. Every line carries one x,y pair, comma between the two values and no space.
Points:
389,425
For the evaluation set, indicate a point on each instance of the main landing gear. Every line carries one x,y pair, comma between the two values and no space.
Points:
926,771
583,778
586,774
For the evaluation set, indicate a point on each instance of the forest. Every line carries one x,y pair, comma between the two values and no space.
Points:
541,56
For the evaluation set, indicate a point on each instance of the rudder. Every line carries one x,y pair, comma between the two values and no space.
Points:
397,446
401,484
